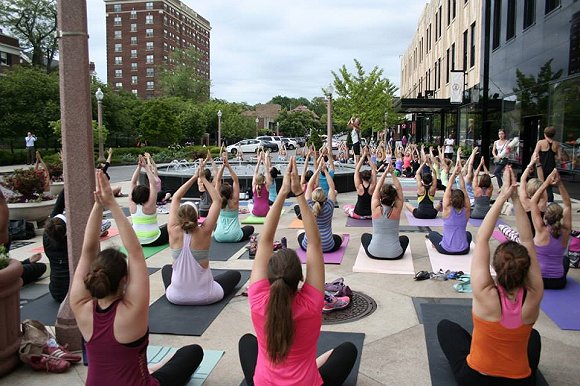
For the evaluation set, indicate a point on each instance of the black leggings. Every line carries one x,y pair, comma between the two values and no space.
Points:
337,242
297,211
248,231
179,369
455,343
436,237
227,280
333,372
32,271
424,212
560,282
366,238
161,240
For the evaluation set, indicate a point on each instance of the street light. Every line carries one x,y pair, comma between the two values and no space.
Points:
386,119
99,95
257,122
278,129
219,137
328,91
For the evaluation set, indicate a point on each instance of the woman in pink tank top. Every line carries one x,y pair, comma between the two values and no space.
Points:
112,310
260,187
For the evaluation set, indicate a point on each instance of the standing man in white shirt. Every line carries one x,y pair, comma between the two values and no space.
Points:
355,136
30,153
449,143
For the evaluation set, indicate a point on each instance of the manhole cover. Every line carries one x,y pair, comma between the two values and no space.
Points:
360,306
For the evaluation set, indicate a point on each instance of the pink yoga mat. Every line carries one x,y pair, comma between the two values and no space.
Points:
499,236
329,257
436,222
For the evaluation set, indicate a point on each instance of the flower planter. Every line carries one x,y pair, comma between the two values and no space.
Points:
56,188
31,211
10,283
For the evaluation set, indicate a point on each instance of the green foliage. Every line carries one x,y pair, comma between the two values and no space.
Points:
4,257
33,22
28,183
180,78
365,95
297,123
120,109
55,170
289,103
315,139
158,121
56,129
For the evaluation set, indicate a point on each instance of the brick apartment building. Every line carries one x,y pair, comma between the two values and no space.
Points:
141,35
9,51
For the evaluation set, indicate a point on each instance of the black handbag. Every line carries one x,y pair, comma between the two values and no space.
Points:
21,230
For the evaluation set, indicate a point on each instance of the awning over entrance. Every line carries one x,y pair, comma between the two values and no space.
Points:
423,105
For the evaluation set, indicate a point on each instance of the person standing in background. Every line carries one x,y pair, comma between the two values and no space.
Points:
30,139
449,143
355,136
550,154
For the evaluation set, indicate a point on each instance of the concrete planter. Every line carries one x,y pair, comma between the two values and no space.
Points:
10,283
56,188
31,211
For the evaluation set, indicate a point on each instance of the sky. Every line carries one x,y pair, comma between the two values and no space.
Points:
263,48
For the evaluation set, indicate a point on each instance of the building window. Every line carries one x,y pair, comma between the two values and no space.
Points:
133,66
435,75
448,12
551,5
447,67
465,50
118,73
496,24
119,85
133,40
472,57
150,72
118,47
118,35
134,92
117,8
165,47
439,73
149,5
149,19
3,58
529,13
133,53
133,27
149,46
150,85
133,14
134,79
149,59
436,25
511,20
440,21
453,10
117,20
149,32
118,60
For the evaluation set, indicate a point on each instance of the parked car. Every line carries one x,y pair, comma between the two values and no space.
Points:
251,146
271,138
335,142
301,141
290,143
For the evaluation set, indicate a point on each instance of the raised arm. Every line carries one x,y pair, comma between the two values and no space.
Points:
257,170
218,177
235,182
268,167
305,169
109,155
522,192
176,201
397,185
331,185
537,219
216,204
137,172
359,164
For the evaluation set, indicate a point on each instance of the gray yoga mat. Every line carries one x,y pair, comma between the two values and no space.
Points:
329,340
167,318
44,309
33,291
223,251
126,212
441,374
449,301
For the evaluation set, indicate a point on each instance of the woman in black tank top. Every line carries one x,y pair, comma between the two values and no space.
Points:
548,152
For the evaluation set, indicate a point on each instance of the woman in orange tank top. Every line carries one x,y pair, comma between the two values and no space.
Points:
504,349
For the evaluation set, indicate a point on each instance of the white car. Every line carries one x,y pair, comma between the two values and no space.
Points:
290,143
271,138
250,146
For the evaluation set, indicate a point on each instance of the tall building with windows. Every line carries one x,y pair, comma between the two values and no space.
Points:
9,51
141,35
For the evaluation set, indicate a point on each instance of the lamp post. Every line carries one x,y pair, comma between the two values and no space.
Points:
99,95
219,137
278,129
328,91
257,122
386,118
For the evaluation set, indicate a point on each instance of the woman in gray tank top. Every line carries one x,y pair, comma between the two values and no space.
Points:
387,205
482,192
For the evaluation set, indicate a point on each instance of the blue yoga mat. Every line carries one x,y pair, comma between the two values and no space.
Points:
558,305
156,354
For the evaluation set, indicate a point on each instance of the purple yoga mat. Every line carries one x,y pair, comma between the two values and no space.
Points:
477,222
329,257
436,222
559,306
353,222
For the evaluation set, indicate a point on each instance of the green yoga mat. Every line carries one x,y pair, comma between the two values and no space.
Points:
156,354
148,251
251,219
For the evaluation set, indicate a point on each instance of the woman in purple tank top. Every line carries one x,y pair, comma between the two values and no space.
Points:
110,301
456,211
260,188
552,233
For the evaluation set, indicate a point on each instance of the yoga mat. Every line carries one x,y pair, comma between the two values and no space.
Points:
412,228
151,271
439,368
286,203
449,301
126,212
499,236
167,318
559,305
435,222
402,266
33,291
147,251
329,340
251,219
44,309
19,244
329,257
156,354
224,251
476,222
112,233
353,222
296,224
200,220
449,262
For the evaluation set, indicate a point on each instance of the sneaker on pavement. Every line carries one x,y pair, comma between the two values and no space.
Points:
105,225
48,363
334,303
61,353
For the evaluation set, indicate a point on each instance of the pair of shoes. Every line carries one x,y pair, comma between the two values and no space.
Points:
48,363
105,225
422,275
334,303
442,276
338,288
61,353
253,246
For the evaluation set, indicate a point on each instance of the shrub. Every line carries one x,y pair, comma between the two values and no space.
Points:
4,257
55,171
28,184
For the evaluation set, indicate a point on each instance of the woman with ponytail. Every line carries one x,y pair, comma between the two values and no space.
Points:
365,183
260,187
552,234
287,319
110,302
189,281
504,348
228,228
483,190
426,189
322,207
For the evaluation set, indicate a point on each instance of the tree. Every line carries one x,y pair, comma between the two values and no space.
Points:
179,76
289,103
56,127
33,22
297,123
368,96
158,123
534,92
